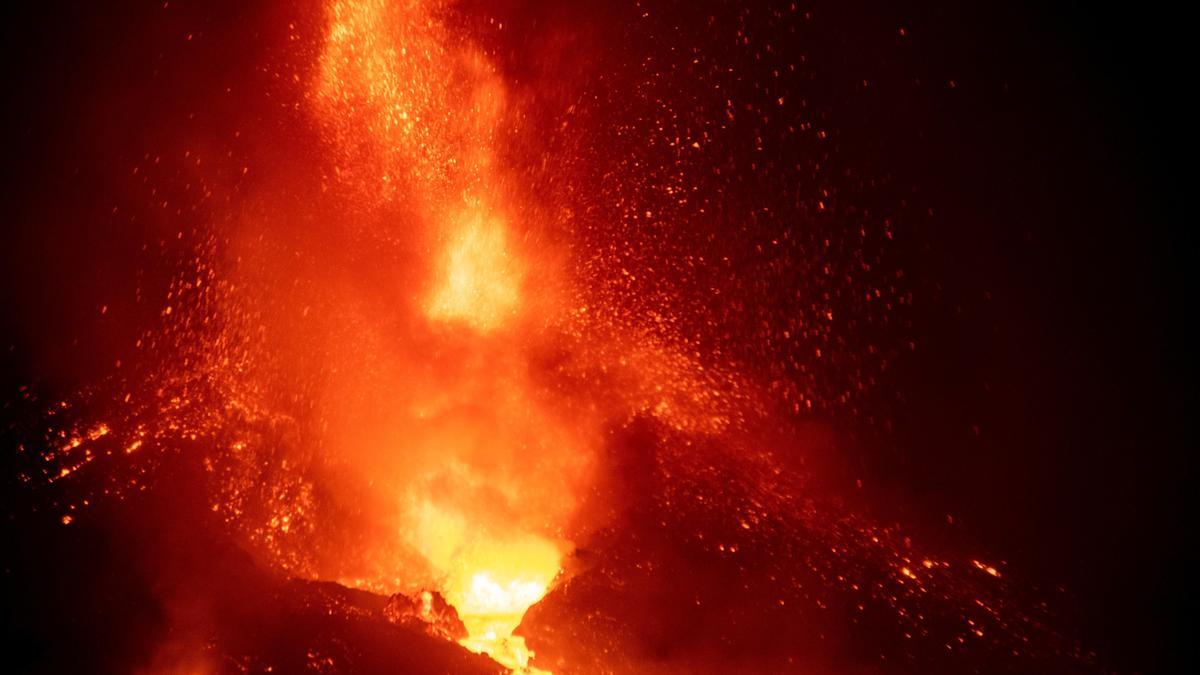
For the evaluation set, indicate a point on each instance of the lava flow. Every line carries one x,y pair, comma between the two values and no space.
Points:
481,332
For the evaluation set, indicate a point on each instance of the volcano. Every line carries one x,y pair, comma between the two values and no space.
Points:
447,336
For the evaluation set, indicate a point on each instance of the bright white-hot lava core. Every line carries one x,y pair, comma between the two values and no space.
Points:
491,580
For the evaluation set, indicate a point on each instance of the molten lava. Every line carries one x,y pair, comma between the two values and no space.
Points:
404,100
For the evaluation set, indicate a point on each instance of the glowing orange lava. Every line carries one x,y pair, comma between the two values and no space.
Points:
410,109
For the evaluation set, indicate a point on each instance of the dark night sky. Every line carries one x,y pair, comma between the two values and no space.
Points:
1046,405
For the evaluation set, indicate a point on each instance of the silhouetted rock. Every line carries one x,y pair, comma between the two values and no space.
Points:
427,612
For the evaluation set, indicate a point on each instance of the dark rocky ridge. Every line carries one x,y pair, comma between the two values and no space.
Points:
141,587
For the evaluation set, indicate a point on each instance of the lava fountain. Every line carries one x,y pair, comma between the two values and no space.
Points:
405,104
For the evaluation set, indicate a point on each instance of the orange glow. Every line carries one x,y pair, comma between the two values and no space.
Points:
478,284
